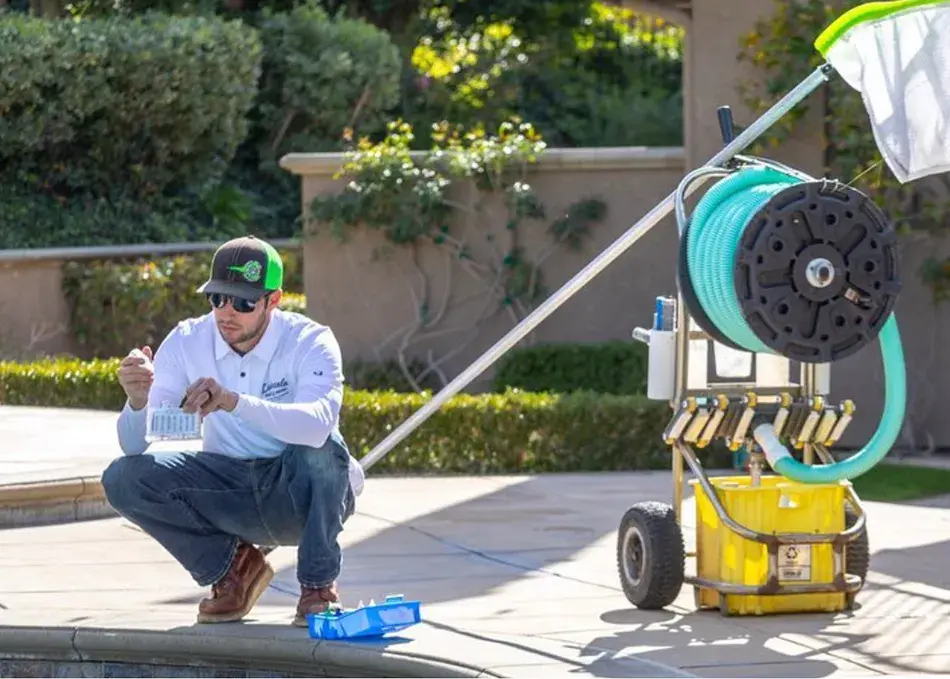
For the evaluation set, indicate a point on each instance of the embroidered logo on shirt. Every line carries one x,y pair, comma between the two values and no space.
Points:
274,391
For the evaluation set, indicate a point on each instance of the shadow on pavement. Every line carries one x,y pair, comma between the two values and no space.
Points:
474,547
478,547
925,564
697,644
610,664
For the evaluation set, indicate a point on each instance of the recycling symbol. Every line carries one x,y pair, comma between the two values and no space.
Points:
791,553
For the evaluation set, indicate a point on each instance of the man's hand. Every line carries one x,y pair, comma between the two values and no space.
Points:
136,375
206,396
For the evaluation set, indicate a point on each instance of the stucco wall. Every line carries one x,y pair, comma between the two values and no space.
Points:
367,300
34,315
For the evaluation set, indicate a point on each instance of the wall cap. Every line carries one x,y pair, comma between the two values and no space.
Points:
15,255
603,158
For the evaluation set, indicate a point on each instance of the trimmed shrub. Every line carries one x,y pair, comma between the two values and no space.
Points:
513,432
123,106
62,383
294,301
322,75
119,305
608,368
33,219
471,434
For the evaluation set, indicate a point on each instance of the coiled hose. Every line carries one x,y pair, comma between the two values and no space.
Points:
716,228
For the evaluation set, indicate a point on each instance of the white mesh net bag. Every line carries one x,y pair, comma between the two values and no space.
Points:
897,55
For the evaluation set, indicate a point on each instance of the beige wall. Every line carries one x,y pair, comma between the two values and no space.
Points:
366,301
34,315
712,75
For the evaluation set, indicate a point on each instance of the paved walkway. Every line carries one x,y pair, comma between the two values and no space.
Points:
516,574
40,444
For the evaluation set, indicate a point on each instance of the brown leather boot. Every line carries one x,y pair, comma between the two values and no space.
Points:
314,600
233,596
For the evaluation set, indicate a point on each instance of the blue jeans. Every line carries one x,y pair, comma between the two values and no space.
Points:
199,506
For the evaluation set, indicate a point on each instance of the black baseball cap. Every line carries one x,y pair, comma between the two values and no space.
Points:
245,267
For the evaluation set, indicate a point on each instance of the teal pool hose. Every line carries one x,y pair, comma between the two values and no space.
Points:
717,225
712,241
895,403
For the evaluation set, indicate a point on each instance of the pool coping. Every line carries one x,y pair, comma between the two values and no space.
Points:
160,647
49,501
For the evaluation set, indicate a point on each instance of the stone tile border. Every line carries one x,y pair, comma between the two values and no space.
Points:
55,501
96,652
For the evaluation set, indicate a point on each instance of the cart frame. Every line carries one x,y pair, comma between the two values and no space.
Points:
700,418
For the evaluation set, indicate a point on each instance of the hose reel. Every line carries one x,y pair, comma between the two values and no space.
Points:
774,262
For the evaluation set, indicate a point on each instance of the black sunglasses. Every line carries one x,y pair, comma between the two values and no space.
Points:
241,305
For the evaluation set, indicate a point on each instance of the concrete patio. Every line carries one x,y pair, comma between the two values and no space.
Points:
516,575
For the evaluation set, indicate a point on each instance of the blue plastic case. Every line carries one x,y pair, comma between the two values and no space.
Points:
374,620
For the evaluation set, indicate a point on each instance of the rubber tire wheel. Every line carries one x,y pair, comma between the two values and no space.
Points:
858,551
660,553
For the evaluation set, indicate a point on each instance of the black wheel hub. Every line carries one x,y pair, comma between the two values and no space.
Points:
650,555
817,272
634,556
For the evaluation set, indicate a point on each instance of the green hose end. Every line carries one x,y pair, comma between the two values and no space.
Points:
886,435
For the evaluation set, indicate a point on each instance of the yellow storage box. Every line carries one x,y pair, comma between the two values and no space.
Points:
776,505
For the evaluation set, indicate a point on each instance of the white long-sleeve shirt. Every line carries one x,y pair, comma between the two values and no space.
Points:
290,388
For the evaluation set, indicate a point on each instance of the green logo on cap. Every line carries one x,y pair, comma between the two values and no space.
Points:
250,270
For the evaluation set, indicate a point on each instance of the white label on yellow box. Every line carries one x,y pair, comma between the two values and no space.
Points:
794,563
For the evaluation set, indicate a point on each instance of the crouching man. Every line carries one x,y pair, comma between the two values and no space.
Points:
273,470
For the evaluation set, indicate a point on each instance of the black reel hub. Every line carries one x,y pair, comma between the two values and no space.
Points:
817,271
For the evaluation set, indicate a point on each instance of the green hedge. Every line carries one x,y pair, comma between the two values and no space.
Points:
123,106
119,305
490,433
322,74
512,432
34,219
156,128
607,367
